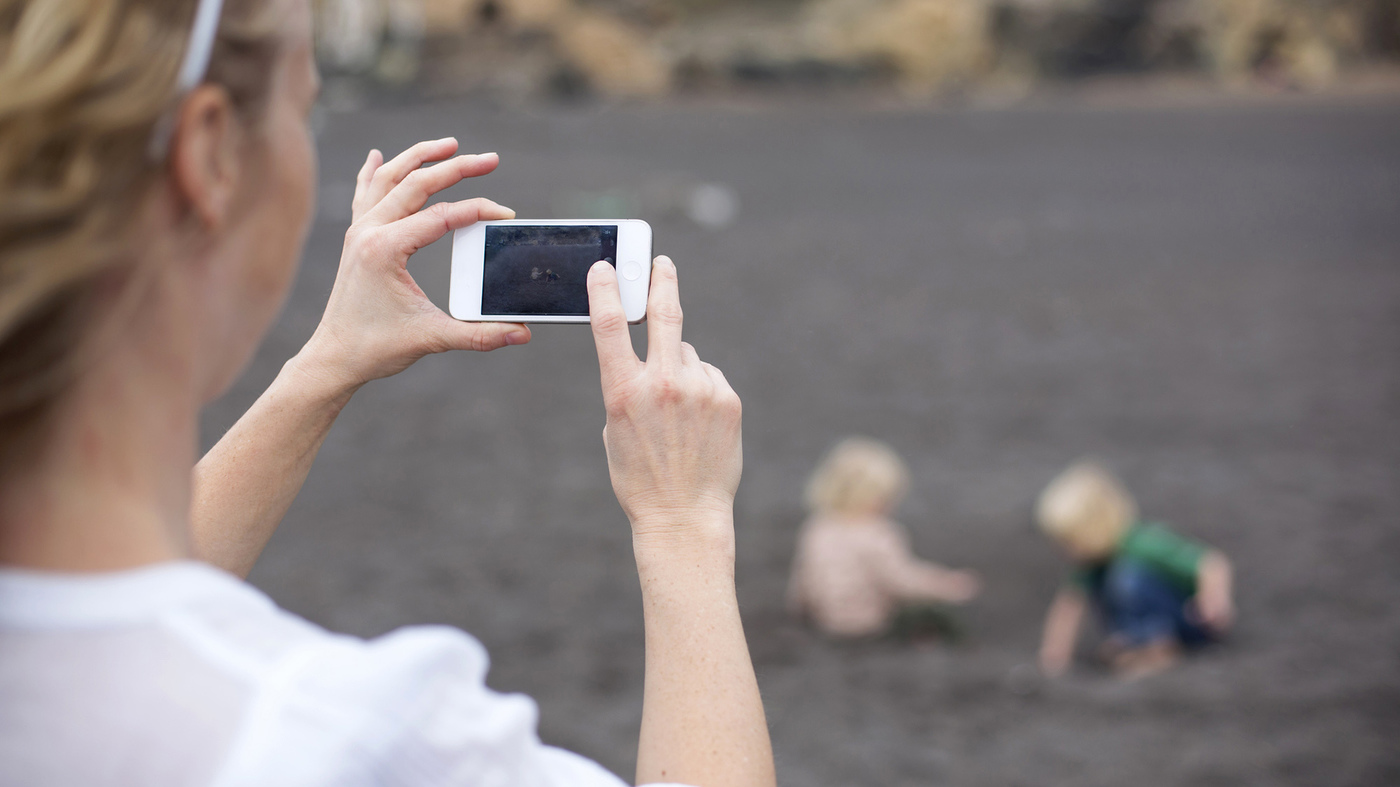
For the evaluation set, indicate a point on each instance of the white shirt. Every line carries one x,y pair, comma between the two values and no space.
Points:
181,674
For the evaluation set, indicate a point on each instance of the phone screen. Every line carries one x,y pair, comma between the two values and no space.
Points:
542,269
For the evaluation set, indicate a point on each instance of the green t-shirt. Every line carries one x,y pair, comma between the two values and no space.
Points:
1156,548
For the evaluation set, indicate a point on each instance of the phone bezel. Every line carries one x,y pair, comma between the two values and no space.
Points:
468,256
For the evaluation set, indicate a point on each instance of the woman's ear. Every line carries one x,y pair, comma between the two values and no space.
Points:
204,154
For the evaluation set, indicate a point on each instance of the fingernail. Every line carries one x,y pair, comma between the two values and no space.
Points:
448,139
492,153
517,337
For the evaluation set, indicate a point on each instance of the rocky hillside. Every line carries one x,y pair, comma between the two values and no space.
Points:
529,48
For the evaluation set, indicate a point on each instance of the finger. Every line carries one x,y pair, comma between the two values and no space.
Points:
361,182
689,356
426,226
664,317
478,336
616,359
391,174
715,374
722,387
410,195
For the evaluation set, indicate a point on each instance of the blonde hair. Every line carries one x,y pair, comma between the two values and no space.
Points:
83,84
858,476
1086,508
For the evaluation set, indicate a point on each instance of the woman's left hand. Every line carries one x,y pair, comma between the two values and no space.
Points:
378,321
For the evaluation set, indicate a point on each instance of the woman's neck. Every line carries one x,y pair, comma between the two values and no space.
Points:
110,489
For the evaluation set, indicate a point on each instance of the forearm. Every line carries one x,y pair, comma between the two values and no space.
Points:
244,485
702,717
918,580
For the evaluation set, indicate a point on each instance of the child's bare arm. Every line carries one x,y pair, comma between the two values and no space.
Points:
1215,591
907,577
1061,631
955,586
910,578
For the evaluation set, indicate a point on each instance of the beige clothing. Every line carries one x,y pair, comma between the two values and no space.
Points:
849,575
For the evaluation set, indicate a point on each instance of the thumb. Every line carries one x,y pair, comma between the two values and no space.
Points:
479,336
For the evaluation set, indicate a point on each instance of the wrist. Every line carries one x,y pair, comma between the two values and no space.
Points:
319,377
701,541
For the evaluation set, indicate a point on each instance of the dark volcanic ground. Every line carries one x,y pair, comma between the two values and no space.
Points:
1208,299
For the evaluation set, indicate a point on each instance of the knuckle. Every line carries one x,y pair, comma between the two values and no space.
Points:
609,321
485,342
383,175
732,403
615,410
668,312
438,210
668,390
371,244
617,404
361,239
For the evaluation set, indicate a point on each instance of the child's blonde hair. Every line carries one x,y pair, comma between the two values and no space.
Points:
1086,509
858,476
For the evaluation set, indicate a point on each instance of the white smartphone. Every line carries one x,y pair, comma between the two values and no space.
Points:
523,270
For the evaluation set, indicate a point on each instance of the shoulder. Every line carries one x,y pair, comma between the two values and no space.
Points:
1154,536
888,533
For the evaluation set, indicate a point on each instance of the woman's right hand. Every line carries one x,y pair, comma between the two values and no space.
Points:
673,433
673,440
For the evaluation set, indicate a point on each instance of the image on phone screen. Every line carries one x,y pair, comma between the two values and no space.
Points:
542,269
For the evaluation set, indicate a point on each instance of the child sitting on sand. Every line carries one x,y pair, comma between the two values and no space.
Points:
853,572
1157,593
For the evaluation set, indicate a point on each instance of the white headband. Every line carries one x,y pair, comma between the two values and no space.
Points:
192,70
206,23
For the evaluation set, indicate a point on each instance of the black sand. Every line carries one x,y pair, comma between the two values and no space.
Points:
1208,299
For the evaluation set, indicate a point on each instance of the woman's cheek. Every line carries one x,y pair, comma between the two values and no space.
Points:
298,183
303,174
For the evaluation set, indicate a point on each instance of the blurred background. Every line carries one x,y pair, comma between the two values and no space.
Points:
1000,236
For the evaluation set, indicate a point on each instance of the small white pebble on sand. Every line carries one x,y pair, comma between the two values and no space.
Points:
713,205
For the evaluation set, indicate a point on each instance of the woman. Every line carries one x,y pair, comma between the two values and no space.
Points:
153,201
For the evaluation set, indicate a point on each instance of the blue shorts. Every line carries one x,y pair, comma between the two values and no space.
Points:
1139,607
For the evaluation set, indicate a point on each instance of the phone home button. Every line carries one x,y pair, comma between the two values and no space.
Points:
631,270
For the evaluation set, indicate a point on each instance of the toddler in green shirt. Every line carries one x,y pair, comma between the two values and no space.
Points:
1156,592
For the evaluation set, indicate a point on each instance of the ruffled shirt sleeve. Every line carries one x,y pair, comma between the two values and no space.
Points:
410,709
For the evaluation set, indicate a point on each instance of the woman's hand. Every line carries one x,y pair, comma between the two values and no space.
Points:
378,321
673,432
674,455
